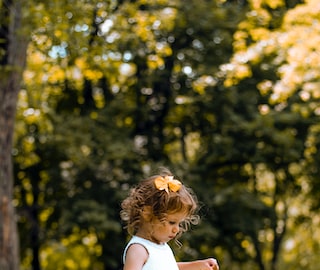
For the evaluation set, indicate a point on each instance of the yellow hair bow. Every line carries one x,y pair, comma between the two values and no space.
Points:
166,183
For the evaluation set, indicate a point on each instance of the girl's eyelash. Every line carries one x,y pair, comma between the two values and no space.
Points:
174,222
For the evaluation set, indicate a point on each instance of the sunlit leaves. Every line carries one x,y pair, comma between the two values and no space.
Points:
78,251
282,63
270,3
203,82
293,49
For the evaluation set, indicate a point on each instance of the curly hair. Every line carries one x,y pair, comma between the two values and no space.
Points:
159,202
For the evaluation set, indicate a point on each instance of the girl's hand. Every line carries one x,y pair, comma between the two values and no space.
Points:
209,264
206,264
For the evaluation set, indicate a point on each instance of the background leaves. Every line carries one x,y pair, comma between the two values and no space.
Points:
225,93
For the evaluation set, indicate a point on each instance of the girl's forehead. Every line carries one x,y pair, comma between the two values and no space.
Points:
177,215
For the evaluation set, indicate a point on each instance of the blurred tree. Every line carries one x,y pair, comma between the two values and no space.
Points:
118,108
13,44
271,113
112,89
64,183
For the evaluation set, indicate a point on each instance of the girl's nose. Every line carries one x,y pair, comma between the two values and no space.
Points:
176,229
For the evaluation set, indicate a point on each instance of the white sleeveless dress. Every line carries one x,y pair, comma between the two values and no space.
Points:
160,255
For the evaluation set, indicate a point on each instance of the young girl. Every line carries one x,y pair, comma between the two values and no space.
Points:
158,210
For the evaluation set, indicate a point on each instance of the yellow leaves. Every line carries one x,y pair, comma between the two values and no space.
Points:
156,2
259,33
243,71
37,60
259,17
128,121
75,252
81,63
304,14
264,109
245,244
265,87
154,61
58,33
163,49
127,69
36,66
300,47
201,83
84,70
146,26
168,16
275,3
142,28
239,42
86,150
45,214
295,46
193,145
29,157
92,75
312,140
256,4
56,74
235,73
265,179
313,88
305,49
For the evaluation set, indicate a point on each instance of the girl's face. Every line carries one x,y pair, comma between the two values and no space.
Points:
163,231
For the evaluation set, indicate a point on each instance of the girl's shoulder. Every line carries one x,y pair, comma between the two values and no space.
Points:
142,252
136,254
146,243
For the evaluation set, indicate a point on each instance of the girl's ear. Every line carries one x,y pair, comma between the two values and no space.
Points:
146,213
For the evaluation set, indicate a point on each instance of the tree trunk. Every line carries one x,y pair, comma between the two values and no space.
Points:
12,61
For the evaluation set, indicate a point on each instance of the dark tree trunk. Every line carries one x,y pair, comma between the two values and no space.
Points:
12,61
